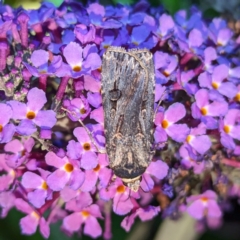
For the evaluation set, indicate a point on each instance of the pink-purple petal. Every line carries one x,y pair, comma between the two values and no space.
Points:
122,207
77,179
73,222
28,225
37,197
201,143
44,228
89,160
160,135
158,169
92,227
36,99
53,160
31,180
175,112
19,109
45,119
5,114
58,180
90,181
73,54
178,132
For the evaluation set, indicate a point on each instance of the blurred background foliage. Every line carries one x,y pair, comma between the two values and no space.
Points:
9,227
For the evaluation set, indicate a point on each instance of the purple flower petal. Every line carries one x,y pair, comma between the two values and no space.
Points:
57,180
37,197
36,99
202,98
5,114
122,207
228,89
7,133
148,213
23,206
73,54
89,160
39,58
195,38
158,169
45,119
90,181
92,62
196,209
91,84
97,115
147,183
95,99
128,221
231,116
74,149
77,178
44,228
53,160
90,224
73,222
178,132
160,135
26,127
19,109
31,180
213,209
175,112
29,224
201,143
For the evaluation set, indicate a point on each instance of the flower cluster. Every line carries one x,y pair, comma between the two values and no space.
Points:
50,82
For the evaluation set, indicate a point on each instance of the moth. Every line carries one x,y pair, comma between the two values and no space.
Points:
128,85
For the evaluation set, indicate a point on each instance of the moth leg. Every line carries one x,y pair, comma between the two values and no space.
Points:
103,151
159,103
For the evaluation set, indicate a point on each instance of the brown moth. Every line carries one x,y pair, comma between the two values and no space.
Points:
128,85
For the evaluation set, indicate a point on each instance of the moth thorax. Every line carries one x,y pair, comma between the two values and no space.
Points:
132,183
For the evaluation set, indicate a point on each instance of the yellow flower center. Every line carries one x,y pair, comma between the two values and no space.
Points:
204,199
85,214
237,97
166,74
68,167
165,124
97,168
1,128
77,68
30,115
83,110
136,43
215,85
204,111
106,46
227,129
86,146
189,138
121,189
35,215
44,186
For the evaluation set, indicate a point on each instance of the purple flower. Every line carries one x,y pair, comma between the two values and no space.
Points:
166,124
87,216
78,107
100,172
204,205
121,195
198,139
80,61
205,110
67,172
38,184
229,129
158,169
145,214
40,60
7,130
18,152
189,159
166,26
216,81
30,222
83,149
31,114
165,66
85,34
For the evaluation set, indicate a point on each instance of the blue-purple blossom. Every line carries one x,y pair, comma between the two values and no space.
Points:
52,118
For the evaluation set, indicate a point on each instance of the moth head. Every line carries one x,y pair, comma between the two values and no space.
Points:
132,183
